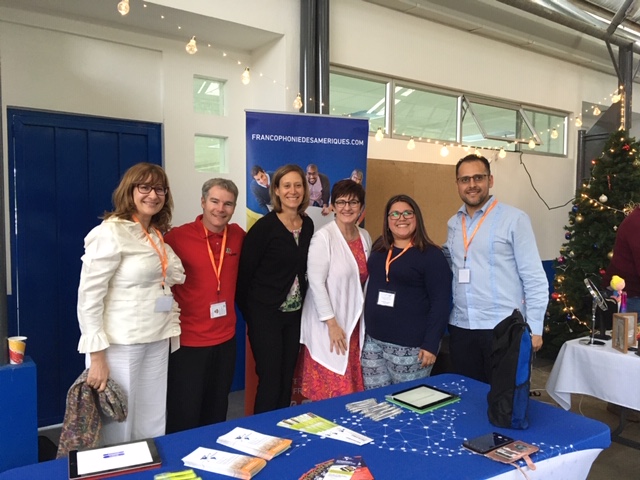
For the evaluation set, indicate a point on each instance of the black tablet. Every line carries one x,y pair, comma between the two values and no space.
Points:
109,461
423,398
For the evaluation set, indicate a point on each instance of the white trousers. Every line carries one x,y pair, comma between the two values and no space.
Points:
141,372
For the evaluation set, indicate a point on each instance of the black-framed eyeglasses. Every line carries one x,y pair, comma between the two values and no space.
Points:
144,189
395,215
344,203
476,178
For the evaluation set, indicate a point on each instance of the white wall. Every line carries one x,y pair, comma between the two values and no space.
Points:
63,65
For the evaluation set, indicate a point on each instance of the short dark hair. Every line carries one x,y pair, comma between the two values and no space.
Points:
347,188
223,183
275,183
256,169
420,238
474,158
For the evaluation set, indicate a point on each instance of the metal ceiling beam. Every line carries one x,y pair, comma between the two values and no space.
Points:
619,17
580,26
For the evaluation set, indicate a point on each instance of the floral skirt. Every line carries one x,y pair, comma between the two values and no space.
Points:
319,383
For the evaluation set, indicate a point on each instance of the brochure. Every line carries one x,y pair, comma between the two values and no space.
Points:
311,423
254,443
343,468
224,463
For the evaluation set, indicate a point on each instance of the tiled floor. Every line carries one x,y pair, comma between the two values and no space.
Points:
618,462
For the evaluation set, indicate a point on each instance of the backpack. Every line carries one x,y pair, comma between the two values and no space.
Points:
511,357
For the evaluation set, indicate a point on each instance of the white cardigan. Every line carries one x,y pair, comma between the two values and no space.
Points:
334,291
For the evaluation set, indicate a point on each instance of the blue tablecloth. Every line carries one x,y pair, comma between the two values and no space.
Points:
407,446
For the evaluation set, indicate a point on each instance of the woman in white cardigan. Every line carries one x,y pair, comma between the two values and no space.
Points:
332,326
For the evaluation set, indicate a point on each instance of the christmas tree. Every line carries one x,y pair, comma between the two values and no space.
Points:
600,205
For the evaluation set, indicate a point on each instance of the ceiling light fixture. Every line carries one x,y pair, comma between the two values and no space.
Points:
246,76
123,7
297,103
191,47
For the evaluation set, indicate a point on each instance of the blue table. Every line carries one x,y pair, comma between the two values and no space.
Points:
407,446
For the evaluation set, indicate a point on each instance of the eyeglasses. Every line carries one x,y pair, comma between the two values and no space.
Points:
476,178
395,215
144,189
344,203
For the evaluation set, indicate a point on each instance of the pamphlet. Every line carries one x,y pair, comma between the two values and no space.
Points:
254,443
343,468
224,463
311,423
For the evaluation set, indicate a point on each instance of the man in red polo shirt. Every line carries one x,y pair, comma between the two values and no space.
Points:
201,370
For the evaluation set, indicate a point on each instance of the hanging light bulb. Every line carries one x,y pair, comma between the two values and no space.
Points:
191,47
596,110
297,103
444,151
379,134
578,122
477,153
466,148
123,7
554,134
532,144
616,97
502,153
246,76
411,145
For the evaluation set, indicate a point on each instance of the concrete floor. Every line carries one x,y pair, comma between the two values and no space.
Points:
617,462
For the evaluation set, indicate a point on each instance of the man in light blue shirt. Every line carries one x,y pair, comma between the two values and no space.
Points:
496,268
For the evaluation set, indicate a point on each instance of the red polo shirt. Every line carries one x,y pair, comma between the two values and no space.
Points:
199,291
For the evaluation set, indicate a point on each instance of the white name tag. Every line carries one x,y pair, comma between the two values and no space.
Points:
464,275
218,309
164,303
386,299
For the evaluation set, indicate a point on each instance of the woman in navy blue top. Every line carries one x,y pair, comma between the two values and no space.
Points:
408,299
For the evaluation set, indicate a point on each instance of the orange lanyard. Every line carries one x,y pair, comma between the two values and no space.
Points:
466,241
164,259
391,260
216,269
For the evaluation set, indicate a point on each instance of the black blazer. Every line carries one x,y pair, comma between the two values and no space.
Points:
270,261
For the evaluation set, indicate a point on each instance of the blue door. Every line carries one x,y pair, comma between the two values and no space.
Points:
62,171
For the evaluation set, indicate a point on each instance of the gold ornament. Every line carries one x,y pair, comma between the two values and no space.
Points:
610,255
579,218
547,329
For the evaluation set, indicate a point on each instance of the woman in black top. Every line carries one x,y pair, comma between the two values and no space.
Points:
272,284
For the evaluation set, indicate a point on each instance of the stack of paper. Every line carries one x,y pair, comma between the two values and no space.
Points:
224,463
254,443
311,423
343,468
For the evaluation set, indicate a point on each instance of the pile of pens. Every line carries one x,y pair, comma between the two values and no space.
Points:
370,408
181,475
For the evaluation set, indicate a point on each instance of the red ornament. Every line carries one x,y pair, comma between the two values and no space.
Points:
602,271
626,147
555,295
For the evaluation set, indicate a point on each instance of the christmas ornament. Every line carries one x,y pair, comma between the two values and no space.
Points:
555,295
615,228
568,316
567,235
547,329
572,254
561,259
610,255
603,198
626,147
636,163
574,209
602,271
579,218
595,246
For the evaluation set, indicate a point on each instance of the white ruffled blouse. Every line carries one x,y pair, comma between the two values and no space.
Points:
120,281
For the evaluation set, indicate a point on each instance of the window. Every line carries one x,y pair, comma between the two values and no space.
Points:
423,114
210,154
549,126
357,97
208,96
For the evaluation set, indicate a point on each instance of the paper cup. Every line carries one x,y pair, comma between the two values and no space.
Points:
16,349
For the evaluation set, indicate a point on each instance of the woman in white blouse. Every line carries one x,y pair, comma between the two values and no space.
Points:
332,326
125,308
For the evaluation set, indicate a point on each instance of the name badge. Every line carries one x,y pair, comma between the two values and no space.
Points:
464,275
164,303
218,309
386,299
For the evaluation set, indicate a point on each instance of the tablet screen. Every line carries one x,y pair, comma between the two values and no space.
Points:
97,462
423,396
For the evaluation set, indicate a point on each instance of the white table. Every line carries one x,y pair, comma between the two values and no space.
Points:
598,371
